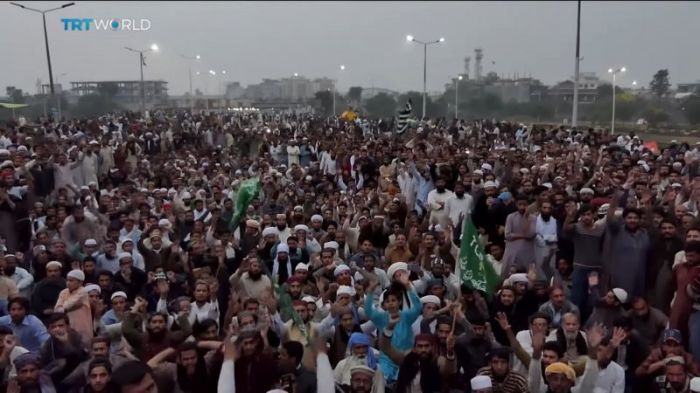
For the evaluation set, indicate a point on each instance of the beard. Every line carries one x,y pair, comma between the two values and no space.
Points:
546,216
459,194
440,189
9,271
570,336
281,227
255,276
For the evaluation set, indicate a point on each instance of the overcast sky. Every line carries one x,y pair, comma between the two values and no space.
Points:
255,40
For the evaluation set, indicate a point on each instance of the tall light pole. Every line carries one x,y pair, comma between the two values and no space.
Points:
459,78
58,103
614,72
574,115
425,44
142,62
342,68
46,36
191,58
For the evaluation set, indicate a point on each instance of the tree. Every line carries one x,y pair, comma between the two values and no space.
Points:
660,85
16,95
605,91
355,93
691,109
655,116
381,105
325,101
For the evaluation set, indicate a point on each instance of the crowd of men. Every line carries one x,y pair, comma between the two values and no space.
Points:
130,263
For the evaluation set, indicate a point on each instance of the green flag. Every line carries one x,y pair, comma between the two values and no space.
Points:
286,308
246,193
475,268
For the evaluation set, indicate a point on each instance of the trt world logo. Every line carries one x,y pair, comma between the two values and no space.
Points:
105,24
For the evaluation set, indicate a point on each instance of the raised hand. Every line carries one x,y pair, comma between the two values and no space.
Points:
619,335
595,334
502,320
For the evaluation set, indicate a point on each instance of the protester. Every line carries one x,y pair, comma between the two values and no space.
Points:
300,244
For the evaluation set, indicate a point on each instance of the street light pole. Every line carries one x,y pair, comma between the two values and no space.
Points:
195,57
142,62
614,73
574,116
425,63
342,68
60,96
46,36
459,78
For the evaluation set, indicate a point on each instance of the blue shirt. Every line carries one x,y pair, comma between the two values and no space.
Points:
110,318
30,333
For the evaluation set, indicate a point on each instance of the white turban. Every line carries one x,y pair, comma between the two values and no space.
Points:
76,274
395,267
340,269
345,290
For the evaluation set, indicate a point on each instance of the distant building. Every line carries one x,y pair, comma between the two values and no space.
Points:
369,92
294,89
587,89
234,90
519,90
128,93
693,88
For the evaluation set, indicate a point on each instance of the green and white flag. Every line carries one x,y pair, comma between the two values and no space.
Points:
475,268
248,190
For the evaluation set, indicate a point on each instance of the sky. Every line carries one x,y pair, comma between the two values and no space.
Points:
255,40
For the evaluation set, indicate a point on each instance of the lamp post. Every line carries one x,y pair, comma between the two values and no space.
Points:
342,68
614,73
46,36
459,78
191,58
574,115
58,100
142,62
425,44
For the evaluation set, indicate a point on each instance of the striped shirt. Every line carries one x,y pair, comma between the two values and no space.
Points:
514,382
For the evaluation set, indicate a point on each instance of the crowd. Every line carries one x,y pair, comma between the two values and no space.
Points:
131,262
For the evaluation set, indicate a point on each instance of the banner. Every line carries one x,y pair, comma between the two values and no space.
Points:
246,193
475,268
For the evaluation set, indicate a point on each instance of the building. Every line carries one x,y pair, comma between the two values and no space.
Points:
294,89
520,90
693,88
587,89
370,92
125,93
234,90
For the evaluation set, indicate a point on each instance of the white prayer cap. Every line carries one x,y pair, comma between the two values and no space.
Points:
54,264
620,294
548,185
486,166
164,222
76,274
316,218
93,287
432,299
395,267
361,369
282,248
301,227
123,255
269,231
332,244
481,382
340,269
586,190
489,184
302,266
518,277
345,290
118,294
90,242
479,172
308,299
